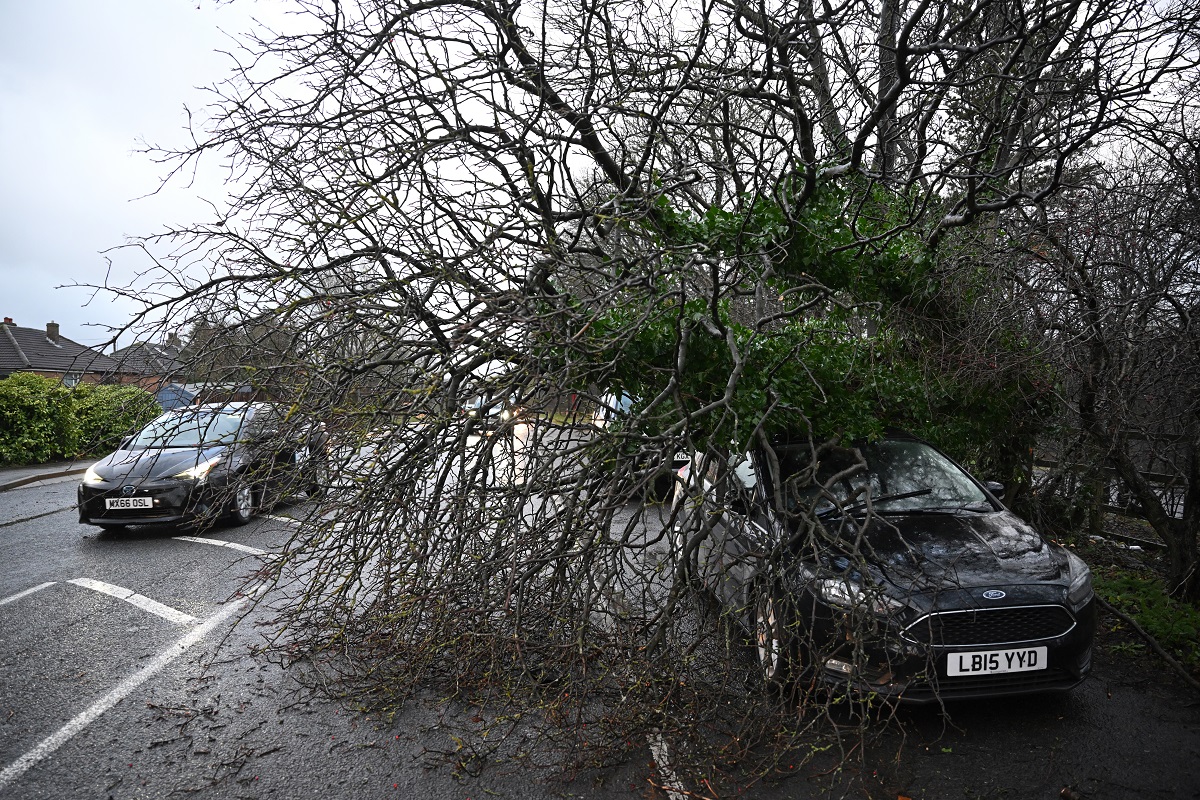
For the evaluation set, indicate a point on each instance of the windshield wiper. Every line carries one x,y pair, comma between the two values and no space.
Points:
887,498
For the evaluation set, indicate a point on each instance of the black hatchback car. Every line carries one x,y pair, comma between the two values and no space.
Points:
888,570
204,462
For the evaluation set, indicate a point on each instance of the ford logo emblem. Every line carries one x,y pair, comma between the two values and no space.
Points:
129,490
993,594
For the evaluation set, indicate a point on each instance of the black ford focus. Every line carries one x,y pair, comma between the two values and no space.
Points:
203,462
888,570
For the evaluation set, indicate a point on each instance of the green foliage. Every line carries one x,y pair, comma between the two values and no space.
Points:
822,375
810,374
105,414
1175,625
37,422
851,240
834,368
42,420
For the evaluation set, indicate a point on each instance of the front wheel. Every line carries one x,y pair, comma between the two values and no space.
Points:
774,641
241,509
318,480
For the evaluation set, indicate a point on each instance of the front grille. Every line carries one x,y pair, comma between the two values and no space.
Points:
990,626
169,503
135,513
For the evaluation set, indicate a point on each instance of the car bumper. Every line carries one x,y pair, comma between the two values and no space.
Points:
171,501
919,674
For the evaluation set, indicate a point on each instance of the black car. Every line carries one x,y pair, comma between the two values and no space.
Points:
204,462
887,570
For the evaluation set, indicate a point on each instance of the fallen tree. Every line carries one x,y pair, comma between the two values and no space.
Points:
748,218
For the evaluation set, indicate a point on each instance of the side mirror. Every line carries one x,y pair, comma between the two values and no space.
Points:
996,488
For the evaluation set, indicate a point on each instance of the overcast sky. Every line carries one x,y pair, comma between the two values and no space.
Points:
81,83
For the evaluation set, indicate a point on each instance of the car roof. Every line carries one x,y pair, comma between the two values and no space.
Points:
786,440
248,409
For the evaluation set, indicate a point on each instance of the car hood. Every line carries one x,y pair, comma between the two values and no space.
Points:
127,466
936,551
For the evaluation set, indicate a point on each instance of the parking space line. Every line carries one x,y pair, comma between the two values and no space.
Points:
662,758
47,746
25,593
133,598
278,518
245,548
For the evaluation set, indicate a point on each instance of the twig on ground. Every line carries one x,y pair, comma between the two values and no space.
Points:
1154,645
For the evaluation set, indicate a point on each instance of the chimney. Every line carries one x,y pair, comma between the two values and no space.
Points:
8,321
52,331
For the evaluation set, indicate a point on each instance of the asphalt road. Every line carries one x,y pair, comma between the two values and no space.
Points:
99,698
149,691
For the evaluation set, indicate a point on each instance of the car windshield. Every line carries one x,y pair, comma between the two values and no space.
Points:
899,476
487,403
188,430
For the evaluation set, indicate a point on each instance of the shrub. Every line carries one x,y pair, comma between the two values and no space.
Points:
41,420
1174,624
105,414
37,422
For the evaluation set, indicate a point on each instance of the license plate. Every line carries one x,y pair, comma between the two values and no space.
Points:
994,662
128,502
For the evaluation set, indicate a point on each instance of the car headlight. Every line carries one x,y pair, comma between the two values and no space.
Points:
849,594
1080,590
198,473
91,476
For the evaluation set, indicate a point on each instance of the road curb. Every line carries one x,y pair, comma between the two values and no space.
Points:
4,487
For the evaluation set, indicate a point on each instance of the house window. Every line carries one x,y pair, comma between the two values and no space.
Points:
71,379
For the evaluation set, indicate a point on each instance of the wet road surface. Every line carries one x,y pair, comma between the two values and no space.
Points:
215,720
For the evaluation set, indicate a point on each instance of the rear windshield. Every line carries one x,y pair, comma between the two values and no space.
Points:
188,430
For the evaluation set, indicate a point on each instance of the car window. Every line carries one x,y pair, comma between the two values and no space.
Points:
903,467
188,430
265,421
743,472
886,471
612,408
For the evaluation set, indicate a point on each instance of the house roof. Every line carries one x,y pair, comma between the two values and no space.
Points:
32,350
149,358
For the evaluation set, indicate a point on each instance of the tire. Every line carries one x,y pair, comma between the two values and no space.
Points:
774,643
242,507
318,481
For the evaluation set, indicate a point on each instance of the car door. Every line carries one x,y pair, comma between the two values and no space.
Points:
751,545
274,454
729,553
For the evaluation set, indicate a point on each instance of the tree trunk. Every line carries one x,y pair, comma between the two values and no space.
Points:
1179,535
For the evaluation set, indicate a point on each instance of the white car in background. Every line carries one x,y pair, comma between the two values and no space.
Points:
613,411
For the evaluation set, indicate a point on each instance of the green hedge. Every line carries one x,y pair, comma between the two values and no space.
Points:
42,420
106,414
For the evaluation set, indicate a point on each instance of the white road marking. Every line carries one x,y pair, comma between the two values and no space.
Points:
662,757
133,598
57,739
19,595
278,518
245,548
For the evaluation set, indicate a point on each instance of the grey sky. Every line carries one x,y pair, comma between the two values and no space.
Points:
81,83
